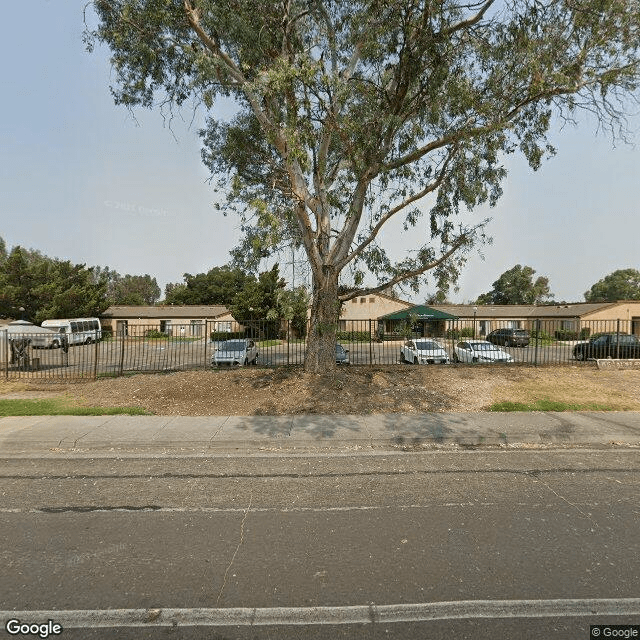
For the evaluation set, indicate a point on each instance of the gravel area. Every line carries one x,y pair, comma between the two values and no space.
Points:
350,390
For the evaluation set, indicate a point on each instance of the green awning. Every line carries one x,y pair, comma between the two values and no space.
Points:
419,312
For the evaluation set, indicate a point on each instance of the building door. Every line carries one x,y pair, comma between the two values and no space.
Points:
122,328
635,326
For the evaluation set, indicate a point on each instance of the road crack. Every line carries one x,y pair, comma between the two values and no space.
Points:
235,553
575,506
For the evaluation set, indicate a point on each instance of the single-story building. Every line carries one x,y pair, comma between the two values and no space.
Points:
177,320
580,318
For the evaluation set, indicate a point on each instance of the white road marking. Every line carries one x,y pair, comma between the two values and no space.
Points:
362,614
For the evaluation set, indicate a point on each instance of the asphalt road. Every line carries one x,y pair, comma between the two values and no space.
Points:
558,531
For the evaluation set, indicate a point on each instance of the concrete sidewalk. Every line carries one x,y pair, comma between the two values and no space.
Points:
207,435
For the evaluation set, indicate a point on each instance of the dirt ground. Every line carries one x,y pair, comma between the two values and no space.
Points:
350,390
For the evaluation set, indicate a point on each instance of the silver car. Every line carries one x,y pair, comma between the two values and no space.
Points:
235,352
479,351
423,351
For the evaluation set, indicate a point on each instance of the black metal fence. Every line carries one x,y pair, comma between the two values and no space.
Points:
144,348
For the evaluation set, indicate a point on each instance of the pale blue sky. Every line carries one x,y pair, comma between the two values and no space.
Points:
82,180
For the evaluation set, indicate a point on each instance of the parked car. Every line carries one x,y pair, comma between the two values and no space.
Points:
341,354
509,337
479,351
423,351
608,345
238,352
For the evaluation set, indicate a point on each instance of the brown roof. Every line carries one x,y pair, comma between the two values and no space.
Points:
166,311
571,310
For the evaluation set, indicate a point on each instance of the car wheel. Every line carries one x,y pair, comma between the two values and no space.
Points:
246,361
88,341
579,355
455,357
55,344
475,359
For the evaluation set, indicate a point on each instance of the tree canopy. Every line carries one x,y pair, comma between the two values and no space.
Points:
129,290
47,287
517,286
623,284
219,285
354,113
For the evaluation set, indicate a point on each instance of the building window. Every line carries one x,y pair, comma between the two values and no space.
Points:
372,300
355,301
363,300
568,325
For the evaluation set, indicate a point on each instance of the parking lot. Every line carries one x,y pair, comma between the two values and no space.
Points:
119,356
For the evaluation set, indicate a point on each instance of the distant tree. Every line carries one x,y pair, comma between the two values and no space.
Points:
48,288
133,290
260,298
292,305
623,284
3,250
218,286
516,286
67,290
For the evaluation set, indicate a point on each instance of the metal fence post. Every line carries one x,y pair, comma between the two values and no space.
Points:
618,339
121,367
6,354
535,354
95,362
288,340
370,345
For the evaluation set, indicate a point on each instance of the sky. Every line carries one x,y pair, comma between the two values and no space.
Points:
84,180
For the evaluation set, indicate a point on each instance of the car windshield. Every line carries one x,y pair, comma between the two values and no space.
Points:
482,346
427,345
233,345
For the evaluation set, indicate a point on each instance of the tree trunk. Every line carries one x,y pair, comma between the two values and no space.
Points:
320,356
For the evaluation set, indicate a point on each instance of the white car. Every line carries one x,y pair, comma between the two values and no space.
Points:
479,351
423,351
235,352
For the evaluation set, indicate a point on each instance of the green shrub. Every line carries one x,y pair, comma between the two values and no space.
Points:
353,336
566,334
221,336
465,332
541,335
154,333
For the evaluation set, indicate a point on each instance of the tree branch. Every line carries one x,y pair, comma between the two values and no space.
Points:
464,24
387,216
459,242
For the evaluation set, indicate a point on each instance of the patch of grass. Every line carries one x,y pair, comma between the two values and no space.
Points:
549,405
61,407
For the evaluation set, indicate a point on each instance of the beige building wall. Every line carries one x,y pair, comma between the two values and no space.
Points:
177,327
628,313
356,313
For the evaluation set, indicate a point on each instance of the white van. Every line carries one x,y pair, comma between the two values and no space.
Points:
77,330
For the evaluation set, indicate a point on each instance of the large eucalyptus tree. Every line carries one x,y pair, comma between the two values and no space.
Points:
354,113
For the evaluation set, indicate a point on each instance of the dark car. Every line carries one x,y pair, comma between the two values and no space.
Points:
608,345
509,337
341,354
